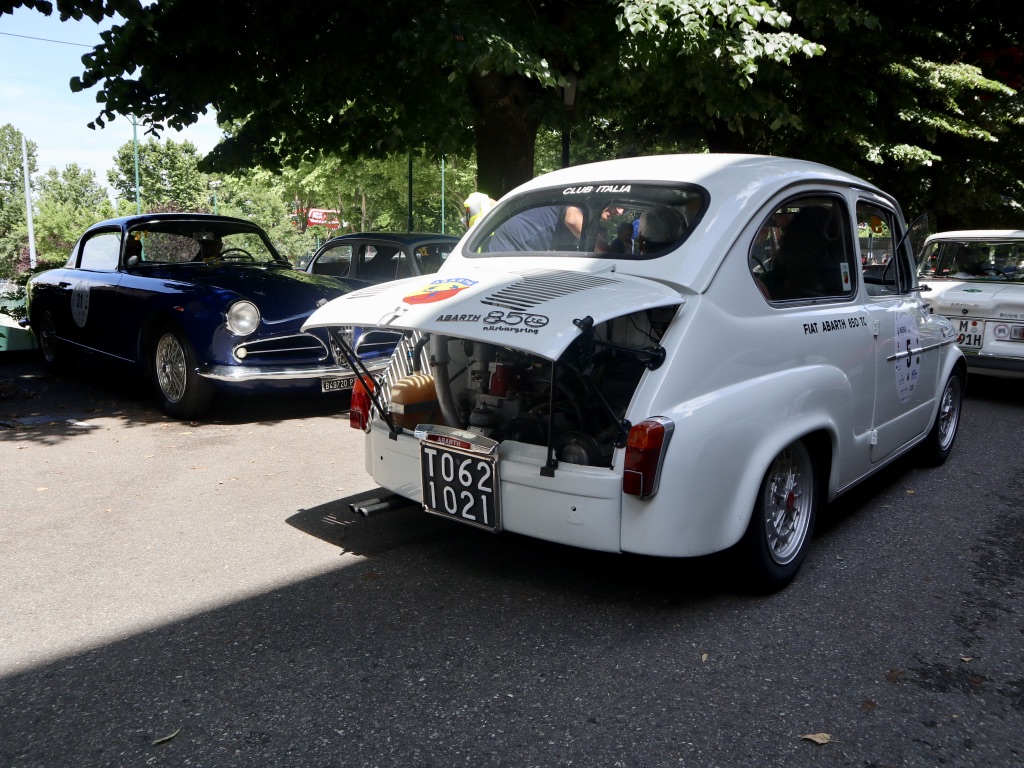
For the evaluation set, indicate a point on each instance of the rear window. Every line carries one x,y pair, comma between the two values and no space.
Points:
619,220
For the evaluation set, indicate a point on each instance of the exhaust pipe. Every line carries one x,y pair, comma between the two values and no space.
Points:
369,507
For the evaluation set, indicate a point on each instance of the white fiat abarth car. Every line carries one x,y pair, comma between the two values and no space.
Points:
976,279
665,356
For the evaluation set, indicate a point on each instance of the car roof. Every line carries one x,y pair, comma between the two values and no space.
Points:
397,238
127,221
979,234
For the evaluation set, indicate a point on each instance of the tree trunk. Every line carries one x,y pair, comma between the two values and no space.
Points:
506,130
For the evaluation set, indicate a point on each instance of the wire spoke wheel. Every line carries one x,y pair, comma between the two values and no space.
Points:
788,503
949,413
171,368
782,521
48,338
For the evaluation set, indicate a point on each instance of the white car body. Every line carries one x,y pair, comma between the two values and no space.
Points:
856,378
986,304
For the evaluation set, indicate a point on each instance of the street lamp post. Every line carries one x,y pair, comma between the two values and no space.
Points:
28,203
213,186
135,149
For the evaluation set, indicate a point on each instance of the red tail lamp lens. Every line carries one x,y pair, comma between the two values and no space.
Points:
360,405
645,454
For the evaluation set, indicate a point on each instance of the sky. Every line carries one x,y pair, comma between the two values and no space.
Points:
36,97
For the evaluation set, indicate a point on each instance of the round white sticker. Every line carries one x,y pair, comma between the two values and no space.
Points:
80,303
908,362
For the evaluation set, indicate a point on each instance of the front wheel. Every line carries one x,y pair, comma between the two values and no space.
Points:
936,447
185,394
782,522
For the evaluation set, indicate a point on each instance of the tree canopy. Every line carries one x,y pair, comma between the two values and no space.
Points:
912,95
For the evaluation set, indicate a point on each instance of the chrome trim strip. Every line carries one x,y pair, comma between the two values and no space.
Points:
919,350
236,373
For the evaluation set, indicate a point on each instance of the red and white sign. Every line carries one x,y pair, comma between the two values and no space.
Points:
321,217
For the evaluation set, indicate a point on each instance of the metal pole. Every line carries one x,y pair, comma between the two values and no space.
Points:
442,194
410,190
135,145
28,205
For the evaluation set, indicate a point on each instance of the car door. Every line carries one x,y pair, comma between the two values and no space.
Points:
907,343
91,317
335,260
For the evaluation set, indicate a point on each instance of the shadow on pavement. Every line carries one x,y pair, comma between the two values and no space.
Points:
39,405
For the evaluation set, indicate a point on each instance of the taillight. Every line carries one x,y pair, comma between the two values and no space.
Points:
360,405
645,453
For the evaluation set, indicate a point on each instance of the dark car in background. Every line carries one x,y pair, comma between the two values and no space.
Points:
368,258
200,303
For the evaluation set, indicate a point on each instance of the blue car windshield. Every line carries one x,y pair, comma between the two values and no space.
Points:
601,219
199,242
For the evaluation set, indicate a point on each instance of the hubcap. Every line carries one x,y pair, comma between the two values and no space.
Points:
170,368
787,507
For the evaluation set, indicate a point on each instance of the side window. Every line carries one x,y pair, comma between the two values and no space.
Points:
429,258
378,263
887,272
100,252
336,262
803,252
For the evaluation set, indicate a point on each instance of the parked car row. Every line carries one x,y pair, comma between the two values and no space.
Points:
667,356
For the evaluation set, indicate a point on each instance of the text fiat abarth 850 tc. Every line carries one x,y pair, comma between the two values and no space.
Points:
705,383
976,279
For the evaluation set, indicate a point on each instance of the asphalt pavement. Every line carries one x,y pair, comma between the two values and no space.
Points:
199,594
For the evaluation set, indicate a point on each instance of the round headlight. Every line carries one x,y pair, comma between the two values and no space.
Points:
243,317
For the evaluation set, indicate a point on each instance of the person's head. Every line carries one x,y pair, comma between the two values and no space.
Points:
660,226
209,245
612,210
476,205
624,231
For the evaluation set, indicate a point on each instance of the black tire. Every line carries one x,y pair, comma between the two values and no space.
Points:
184,394
782,522
936,447
45,330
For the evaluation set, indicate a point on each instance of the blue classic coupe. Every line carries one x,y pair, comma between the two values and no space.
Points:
199,303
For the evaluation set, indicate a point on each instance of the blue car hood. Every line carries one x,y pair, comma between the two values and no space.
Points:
279,293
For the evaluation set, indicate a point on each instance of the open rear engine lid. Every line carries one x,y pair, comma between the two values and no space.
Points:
532,310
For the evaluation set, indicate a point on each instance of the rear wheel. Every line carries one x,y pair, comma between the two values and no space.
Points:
936,447
46,332
185,394
782,522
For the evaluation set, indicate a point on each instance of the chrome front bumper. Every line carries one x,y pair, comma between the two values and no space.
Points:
239,373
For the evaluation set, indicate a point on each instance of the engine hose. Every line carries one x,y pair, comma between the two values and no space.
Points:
439,367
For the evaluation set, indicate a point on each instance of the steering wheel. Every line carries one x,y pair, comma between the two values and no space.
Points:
238,254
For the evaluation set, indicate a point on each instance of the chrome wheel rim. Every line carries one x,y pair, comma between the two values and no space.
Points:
949,412
171,370
48,338
788,503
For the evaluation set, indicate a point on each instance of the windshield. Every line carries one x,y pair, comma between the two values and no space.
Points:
199,242
619,220
973,260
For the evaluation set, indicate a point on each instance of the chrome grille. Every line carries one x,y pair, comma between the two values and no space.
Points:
301,347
